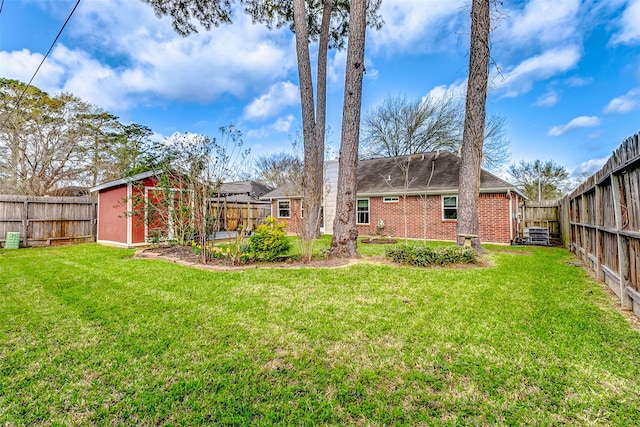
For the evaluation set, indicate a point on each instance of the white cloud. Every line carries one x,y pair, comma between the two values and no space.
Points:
548,99
545,21
142,60
625,103
282,125
281,95
419,25
588,168
578,122
578,81
457,89
629,29
20,65
520,79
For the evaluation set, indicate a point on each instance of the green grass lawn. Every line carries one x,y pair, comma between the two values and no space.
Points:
91,336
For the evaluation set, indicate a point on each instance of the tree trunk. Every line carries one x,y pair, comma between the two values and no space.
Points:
311,196
321,109
475,112
345,233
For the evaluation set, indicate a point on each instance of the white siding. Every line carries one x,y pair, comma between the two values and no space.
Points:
330,194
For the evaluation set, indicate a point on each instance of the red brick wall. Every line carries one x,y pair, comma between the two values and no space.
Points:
493,216
294,223
493,211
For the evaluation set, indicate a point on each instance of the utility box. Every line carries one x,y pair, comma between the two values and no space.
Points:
12,241
536,236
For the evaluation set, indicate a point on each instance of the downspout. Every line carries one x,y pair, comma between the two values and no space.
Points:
511,220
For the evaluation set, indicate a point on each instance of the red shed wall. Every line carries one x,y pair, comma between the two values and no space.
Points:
137,219
112,220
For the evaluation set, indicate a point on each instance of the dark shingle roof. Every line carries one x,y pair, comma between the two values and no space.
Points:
254,189
290,189
434,172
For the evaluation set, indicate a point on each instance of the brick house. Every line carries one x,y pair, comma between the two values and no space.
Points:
414,196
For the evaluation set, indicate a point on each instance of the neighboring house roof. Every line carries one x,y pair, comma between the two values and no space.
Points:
254,189
425,173
432,173
290,189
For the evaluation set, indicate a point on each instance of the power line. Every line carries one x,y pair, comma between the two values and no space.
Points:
41,62
1,6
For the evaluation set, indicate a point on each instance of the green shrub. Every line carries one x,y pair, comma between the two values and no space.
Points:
269,241
422,256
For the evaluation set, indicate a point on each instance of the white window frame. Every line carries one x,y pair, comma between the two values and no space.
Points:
447,196
391,199
368,212
278,208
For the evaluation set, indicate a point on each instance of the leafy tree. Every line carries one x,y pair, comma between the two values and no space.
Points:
101,130
47,142
540,180
41,141
132,151
474,122
278,169
345,233
401,126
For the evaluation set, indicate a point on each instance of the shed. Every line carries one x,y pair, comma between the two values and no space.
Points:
122,215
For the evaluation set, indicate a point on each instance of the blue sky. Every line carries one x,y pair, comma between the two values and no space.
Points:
567,77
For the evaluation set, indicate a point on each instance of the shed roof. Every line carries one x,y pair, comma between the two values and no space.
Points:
123,181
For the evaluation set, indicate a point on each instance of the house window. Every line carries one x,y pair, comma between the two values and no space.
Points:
393,199
449,207
362,211
284,209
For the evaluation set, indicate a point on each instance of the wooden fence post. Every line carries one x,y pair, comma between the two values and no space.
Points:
25,224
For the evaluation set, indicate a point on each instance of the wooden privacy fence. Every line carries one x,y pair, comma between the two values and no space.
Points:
601,221
43,221
544,213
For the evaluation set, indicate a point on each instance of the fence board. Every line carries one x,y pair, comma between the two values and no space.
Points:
544,213
604,222
43,221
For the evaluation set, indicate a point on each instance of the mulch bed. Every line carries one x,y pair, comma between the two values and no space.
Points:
184,255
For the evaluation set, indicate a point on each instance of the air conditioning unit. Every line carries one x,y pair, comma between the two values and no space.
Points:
536,236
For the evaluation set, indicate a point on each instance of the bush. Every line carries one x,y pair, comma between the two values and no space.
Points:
422,256
269,241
